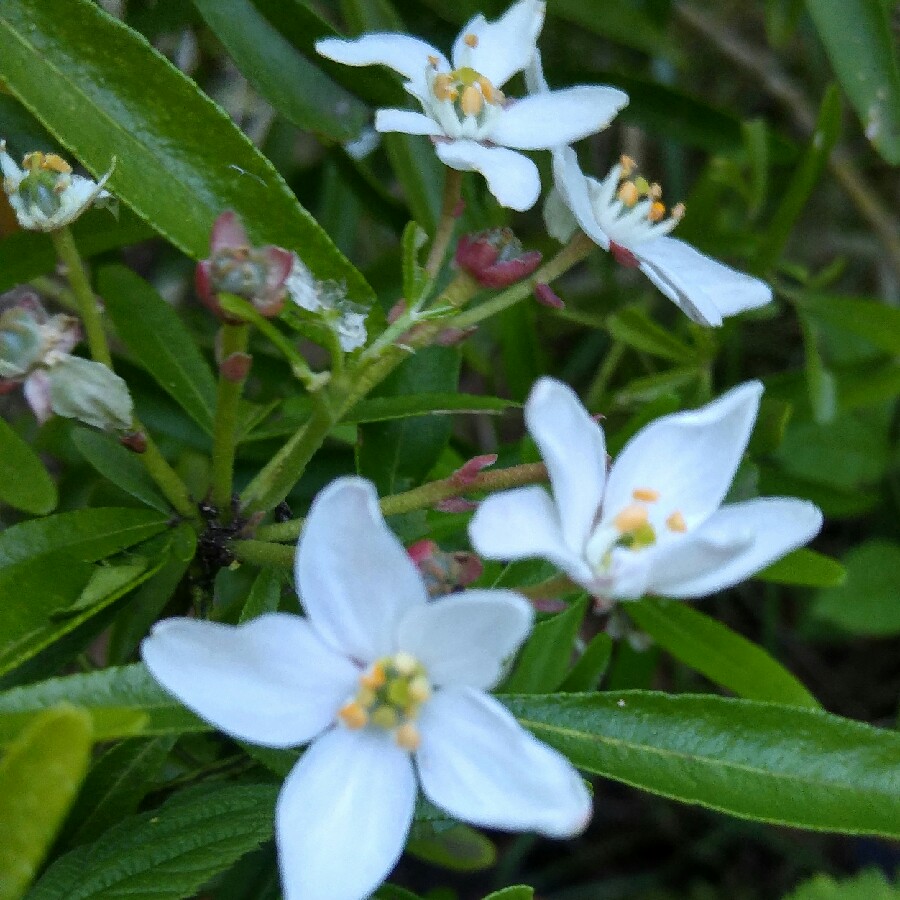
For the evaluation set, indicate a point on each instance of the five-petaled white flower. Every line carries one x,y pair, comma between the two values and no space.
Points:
655,524
626,216
44,194
464,111
388,684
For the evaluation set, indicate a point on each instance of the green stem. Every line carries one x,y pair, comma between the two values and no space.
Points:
64,244
446,223
601,382
166,478
553,587
574,252
427,495
233,339
263,553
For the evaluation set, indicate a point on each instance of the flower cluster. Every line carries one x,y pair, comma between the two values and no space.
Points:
44,194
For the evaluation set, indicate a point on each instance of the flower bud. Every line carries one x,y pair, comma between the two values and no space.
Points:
90,392
258,274
29,336
494,258
444,572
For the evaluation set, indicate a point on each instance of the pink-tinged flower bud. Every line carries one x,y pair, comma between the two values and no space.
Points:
135,441
466,474
450,337
444,572
546,296
258,274
494,258
236,367
623,256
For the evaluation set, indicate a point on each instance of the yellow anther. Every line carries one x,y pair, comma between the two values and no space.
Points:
657,211
488,91
374,678
56,164
407,736
472,101
471,40
443,88
384,717
419,689
631,518
656,191
404,663
645,495
433,60
628,193
353,715
628,165
32,161
677,211
676,522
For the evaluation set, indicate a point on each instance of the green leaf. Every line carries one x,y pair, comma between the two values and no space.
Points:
632,326
458,848
88,534
716,651
868,885
545,657
123,702
180,160
264,595
585,675
167,853
153,332
415,279
122,467
867,602
806,568
39,777
793,202
779,764
876,322
857,37
115,785
24,482
295,87
515,892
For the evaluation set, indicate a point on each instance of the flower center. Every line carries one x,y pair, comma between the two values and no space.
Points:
48,177
631,190
391,693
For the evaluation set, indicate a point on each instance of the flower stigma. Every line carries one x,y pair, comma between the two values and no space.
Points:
48,175
391,693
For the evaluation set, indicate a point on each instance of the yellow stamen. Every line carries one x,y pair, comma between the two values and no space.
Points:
657,211
56,164
677,211
407,736
488,91
374,678
405,663
631,518
443,89
645,495
628,165
628,193
385,717
472,101
676,522
419,689
471,40
353,715
433,60
656,191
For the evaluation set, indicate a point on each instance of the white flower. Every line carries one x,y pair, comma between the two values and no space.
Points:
327,298
389,686
463,109
655,524
45,195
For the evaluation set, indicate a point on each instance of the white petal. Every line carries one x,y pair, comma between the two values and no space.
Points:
9,168
543,121
270,681
706,290
504,46
343,816
406,121
574,451
477,763
575,191
689,458
524,524
512,178
535,82
404,54
732,544
354,577
465,638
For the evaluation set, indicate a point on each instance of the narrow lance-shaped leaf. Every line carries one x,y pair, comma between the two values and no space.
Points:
180,160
